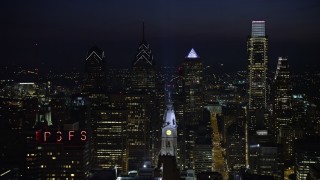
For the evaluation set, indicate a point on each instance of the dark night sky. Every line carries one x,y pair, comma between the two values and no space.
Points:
66,29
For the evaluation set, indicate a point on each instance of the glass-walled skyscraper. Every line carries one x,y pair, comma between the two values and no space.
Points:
258,58
257,48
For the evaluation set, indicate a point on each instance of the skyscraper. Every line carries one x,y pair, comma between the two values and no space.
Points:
143,113
95,88
265,159
110,135
95,77
138,130
257,55
192,73
282,108
257,48
203,151
283,93
143,70
235,148
193,85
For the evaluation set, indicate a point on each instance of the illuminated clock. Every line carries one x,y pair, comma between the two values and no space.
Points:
168,132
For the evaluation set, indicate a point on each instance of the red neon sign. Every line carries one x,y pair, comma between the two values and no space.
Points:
61,136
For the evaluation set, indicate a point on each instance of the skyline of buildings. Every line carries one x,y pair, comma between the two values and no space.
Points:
222,125
214,30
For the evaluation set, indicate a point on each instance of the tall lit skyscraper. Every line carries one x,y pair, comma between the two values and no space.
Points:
143,112
192,73
95,77
138,130
193,87
143,70
258,116
282,108
258,57
110,135
283,93
257,48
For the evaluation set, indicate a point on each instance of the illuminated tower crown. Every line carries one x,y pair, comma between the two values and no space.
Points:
143,68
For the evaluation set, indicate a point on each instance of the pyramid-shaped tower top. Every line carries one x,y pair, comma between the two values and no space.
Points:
192,54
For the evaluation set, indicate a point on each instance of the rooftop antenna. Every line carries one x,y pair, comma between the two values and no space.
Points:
142,31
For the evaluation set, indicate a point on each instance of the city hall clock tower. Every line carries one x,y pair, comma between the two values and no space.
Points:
169,132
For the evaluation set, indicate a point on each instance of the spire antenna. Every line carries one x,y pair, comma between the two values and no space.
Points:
143,31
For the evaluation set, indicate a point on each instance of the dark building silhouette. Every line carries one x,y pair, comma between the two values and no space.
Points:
314,172
307,154
95,77
265,157
203,151
235,148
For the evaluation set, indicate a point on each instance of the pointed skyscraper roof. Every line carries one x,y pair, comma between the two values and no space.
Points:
192,54
95,51
144,55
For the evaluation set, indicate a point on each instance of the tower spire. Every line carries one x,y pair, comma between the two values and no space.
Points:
169,132
142,31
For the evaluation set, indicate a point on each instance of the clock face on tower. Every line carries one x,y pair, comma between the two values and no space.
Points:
168,132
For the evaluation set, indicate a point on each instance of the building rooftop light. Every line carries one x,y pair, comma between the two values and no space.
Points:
192,54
